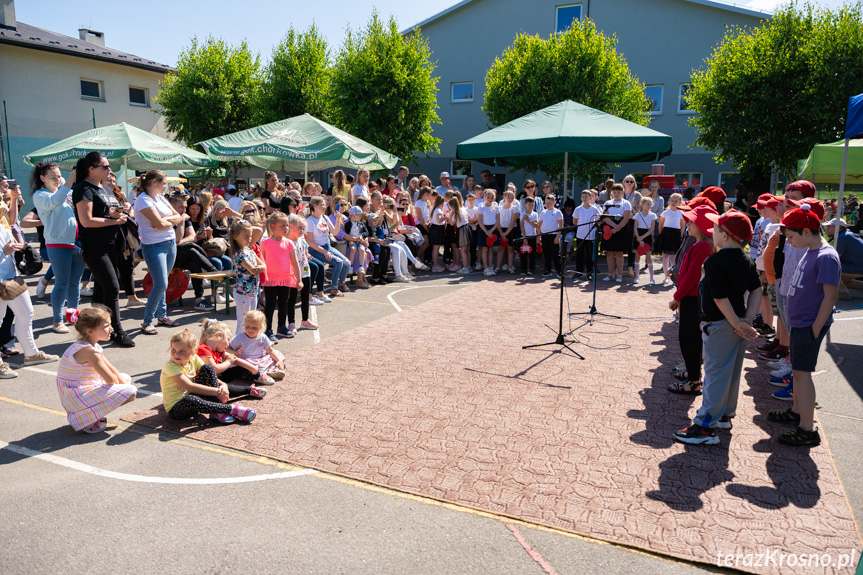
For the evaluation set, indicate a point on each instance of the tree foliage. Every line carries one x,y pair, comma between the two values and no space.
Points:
580,64
211,92
382,90
296,80
769,94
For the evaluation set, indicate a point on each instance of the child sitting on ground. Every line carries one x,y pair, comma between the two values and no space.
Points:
189,386
89,386
813,291
726,324
256,348
215,336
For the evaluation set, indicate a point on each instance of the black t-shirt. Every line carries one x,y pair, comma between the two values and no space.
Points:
729,273
361,230
102,200
219,231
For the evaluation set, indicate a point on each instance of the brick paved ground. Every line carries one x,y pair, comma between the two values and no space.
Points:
449,406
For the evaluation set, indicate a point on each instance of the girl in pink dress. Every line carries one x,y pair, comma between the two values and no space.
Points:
89,386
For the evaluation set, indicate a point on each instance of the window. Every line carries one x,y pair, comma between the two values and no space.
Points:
654,94
462,92
458,170
682,104
565,15
91,89
728,181
139,97
687,179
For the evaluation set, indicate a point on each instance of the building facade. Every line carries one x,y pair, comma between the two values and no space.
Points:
53,86
661,40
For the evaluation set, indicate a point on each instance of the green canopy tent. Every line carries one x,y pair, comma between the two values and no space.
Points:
123,145
301,143
824,164
563,132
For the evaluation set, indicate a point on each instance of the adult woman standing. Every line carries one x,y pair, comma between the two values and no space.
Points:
156,220
100,216
633,196
361,188
469,183
59,226
340,188
652,192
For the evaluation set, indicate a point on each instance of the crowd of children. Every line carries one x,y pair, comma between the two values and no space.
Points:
723,294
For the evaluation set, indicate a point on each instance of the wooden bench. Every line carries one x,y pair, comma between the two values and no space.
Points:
218,278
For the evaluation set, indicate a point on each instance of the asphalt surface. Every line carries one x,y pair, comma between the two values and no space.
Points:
131,500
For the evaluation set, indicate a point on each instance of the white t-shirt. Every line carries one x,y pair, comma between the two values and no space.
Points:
645,222
529,230
586,215
673,219
234,203
423,209
551,220
507,215
765,238
471,212
438,216
149,235
359,191
463,218
488,214
251,347
613,208
319,229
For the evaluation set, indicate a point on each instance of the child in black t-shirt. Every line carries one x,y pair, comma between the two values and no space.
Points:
726,325
357,232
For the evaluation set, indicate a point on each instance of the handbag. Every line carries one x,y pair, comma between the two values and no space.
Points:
215,247
11,289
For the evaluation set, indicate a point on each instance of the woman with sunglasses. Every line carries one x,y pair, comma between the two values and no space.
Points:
100,218
633,196
528,190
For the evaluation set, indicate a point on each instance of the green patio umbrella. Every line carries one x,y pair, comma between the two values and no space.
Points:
824,164
563,132
123,145
301,143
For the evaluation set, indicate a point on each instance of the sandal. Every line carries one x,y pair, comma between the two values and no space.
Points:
681,375
336,293
97,427
686,387
149,329
344,288
8,350
167,322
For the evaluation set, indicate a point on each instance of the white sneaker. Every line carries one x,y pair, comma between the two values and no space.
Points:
6,372
60,328
205,283
402,279
780,372
220,298
779,363
464,271
315,301
421,266
40,289
478,267
40,358
325,298
87,291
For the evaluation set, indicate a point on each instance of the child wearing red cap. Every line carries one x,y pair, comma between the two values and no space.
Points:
686,299
812,292
726,325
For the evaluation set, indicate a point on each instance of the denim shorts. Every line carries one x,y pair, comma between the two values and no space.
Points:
771,293
805,348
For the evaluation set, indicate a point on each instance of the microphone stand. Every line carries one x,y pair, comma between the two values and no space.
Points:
592,312
559,340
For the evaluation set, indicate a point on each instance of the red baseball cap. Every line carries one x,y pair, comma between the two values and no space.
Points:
803,217
698,217
697,201
763,199
815,205
714,194
734,223
805,186
772,203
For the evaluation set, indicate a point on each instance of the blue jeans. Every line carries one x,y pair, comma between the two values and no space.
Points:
222,263
341,265
68,269
160,259
49,275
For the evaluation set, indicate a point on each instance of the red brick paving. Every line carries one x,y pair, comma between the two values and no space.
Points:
455,410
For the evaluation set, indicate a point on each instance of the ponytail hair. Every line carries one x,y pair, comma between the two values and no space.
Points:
150,177
82,168
39,171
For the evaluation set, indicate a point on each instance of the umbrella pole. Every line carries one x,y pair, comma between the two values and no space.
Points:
839,209
565,173
126,177
305,172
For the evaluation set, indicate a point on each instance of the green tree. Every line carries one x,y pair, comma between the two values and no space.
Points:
212,91
382,90
768,94
296,80
580,64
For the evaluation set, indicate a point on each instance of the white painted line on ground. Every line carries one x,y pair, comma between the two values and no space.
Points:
83,467
858,318
316,333
54,374
398,307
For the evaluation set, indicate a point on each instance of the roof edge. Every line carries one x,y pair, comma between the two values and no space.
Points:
85,56
710,3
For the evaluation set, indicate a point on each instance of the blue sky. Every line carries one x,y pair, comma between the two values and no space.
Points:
159,29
